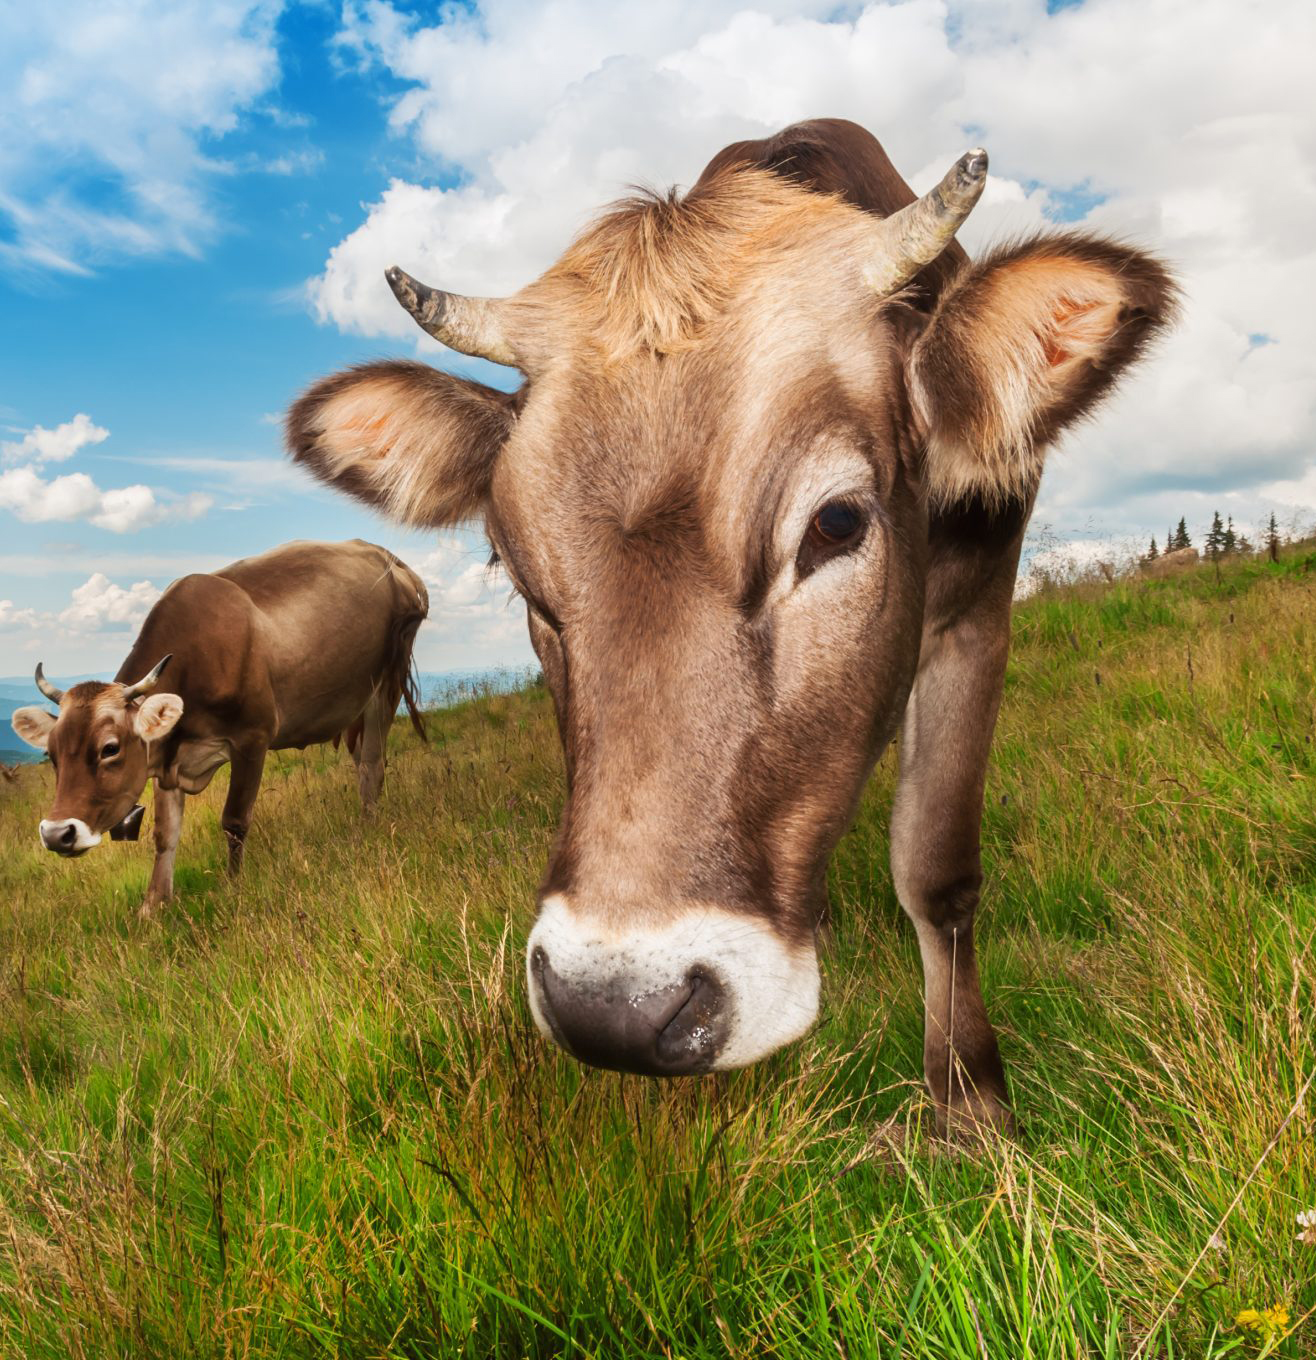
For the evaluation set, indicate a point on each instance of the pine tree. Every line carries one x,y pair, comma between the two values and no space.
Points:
1230,543
1152,552
1214,543
1181,539
1272,539
1169,540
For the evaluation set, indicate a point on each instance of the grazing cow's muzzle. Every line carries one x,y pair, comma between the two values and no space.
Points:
69,836
709,990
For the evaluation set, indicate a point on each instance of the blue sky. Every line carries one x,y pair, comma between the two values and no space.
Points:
197,202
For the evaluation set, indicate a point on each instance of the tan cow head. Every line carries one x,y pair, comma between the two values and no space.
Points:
99,744
712,492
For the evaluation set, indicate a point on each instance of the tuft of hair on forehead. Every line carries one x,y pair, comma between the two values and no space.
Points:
654,269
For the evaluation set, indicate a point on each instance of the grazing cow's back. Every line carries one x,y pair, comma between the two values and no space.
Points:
763,491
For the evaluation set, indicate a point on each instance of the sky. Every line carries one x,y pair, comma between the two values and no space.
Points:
198,201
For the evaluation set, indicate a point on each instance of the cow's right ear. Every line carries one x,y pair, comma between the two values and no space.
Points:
34,725
157,715
409,440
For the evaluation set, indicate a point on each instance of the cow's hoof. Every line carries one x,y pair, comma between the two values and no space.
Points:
976,1118
149,910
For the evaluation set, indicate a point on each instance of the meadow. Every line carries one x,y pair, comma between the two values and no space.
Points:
309,1115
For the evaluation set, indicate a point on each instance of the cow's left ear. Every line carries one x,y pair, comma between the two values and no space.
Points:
1022,344
34,725
157,715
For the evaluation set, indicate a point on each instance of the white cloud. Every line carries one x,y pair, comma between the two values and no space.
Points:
11,616
109,118
474,613
57,445
242,474
1190,129
99,602
75,496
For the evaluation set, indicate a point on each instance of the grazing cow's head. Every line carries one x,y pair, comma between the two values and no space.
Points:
99,744
712,492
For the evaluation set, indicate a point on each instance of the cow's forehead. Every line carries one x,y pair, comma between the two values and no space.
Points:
86,710
713,436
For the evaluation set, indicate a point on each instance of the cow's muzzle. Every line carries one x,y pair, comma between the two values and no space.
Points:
672,1031
69,837
130,827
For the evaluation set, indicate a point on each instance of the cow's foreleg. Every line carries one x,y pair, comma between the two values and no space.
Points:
167,826
246,768
935,831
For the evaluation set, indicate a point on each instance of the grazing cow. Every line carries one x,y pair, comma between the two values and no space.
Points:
763,491
303,644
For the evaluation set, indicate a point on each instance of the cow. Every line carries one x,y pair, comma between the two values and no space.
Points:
306,643
763,491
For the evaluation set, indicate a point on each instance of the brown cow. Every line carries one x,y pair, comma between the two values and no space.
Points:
303,644
763,491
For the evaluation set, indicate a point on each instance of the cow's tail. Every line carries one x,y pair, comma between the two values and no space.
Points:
401,680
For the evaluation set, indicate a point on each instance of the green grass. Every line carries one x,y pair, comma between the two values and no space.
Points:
310,1116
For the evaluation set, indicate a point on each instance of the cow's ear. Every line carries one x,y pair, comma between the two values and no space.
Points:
411,441
34,725
157,715
1021,345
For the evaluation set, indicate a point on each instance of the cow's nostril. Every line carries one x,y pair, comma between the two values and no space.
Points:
68,835
697,1026
620,1024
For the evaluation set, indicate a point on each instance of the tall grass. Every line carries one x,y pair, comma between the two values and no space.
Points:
308,1115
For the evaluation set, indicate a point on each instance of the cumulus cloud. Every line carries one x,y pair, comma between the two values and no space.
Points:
1179,127
110,116
11,616
473,608
75,496
57,445
99,602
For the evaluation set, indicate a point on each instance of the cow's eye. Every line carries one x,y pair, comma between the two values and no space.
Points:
835,528
109,750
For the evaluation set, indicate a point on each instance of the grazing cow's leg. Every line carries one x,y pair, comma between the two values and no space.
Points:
245,770
167,818
369,752
936,824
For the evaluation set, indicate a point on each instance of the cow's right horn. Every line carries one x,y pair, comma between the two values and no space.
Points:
148,682
49,690
469,325
907,240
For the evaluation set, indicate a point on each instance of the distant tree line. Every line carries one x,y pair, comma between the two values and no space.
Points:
1221,540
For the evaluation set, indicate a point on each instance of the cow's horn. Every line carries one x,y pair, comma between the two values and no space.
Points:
917,234
148,682
467,324
49,690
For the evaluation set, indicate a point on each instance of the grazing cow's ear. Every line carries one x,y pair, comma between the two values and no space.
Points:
1021,345
157,715
34,725
405,438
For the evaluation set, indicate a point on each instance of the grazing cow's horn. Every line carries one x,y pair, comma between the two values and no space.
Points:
148,682
917,234
49,690
466,324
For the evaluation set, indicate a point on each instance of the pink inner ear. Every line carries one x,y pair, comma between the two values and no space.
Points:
1078,330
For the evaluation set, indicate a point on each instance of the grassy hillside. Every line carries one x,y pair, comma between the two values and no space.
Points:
310,1116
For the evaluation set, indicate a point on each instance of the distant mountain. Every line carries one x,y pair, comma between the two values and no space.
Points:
27,756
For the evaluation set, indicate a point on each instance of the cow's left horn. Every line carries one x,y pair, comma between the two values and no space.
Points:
469,325
148,682
49,690
917,234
